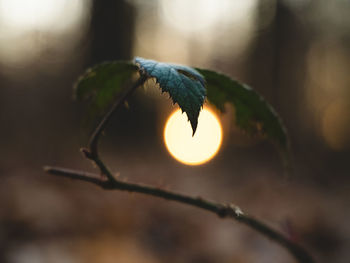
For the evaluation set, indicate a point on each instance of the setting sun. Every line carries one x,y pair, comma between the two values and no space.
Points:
198,149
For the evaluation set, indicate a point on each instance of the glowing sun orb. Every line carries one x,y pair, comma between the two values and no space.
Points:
200,148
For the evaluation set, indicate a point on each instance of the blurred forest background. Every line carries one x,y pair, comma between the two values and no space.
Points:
296,53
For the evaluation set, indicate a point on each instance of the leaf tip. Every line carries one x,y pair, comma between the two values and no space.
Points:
194,124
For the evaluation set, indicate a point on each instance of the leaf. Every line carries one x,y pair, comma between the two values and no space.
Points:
253,113
102,83
184,84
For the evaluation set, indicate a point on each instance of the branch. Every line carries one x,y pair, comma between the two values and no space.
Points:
222,210
93,144
110,183
92,152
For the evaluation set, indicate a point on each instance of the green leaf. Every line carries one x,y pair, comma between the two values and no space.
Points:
102,83
253,114
184,84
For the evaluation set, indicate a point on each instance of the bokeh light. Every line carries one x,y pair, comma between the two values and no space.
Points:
197,149
198,15
40,14
191,32
336,125
30,27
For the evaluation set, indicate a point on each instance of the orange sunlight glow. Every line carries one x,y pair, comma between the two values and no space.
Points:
200,148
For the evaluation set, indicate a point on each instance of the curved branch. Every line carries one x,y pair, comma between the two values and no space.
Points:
92,152
222,210
93,144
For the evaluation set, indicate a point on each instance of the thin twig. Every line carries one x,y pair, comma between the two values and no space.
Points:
222,210
92,152
93,144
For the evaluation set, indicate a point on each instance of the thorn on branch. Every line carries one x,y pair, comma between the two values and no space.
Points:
229,210
87,154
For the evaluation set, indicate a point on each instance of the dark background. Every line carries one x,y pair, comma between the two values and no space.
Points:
295,53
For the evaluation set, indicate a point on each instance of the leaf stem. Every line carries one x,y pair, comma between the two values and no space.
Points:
222,210
93,143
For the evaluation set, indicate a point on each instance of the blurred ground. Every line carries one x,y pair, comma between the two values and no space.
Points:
295,53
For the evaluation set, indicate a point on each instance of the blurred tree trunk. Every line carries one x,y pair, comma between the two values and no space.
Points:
112,30
277,64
